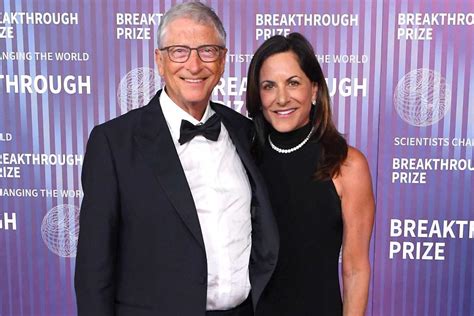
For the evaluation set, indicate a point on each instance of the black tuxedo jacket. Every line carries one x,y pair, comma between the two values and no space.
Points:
140,249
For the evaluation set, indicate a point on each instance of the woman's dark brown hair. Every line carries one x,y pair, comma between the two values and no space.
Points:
333,145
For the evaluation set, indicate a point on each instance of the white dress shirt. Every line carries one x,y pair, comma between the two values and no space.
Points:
222,195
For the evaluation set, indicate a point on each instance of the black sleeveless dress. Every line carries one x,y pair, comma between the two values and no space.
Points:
308,213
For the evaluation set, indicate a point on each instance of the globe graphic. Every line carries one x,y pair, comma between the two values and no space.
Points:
422,97
137,88
60,230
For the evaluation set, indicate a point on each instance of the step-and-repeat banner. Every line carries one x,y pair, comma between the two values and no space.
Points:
401,77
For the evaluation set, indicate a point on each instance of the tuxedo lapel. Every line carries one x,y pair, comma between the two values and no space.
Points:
265,238
156,145
239,138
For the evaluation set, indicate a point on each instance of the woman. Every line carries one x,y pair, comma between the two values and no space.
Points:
320,187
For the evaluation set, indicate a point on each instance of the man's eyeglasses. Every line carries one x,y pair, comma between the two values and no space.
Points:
180,53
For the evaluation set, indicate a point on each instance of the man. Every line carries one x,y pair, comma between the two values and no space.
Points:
174,223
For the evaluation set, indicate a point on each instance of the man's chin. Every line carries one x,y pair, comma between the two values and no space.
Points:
197,99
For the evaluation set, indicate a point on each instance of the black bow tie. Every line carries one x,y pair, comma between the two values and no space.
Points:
210,129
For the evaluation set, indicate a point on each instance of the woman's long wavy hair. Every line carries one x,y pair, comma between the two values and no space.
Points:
333,145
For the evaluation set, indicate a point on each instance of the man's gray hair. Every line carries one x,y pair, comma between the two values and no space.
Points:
195,11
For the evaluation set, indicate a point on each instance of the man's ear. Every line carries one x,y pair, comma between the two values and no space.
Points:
159,61
222,62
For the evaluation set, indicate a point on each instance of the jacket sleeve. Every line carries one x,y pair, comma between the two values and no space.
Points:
94,278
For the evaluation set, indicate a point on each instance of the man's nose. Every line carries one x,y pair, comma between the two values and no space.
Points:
194,62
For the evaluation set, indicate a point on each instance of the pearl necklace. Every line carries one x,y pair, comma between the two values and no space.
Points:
292,149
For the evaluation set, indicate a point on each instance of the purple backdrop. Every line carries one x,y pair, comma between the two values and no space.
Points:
400,79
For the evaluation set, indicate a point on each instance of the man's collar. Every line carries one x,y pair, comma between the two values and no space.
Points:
174,114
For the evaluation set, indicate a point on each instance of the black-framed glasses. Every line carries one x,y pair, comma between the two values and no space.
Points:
181,53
